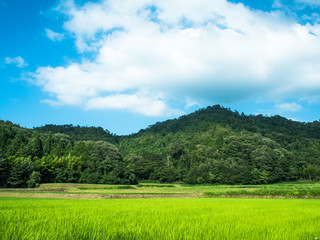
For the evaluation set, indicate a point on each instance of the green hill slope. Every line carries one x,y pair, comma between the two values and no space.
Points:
212,145
79,133
216,145
28,157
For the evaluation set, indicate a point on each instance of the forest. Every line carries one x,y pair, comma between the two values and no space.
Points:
213,145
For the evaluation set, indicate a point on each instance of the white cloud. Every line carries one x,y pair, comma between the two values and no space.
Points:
190,103
289,107
54,36
18,61
194,51
148,106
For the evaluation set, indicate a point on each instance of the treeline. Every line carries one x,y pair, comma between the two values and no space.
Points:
204,118
28,158
217,145
212,145
78,133
220,155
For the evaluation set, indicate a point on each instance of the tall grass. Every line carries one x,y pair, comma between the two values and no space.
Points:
203,218
108,187
301,190
286,190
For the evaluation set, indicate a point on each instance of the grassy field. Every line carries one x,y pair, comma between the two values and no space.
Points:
173,211
154,190
198,218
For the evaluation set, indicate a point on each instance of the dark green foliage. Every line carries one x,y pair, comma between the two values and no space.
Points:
104,164
212,145
28,157
20,173
36,146
80,133
165,174
203,118
34,180
216,145
4,170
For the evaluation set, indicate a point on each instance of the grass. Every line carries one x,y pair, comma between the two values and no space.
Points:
88,213
283,190
156,185
108,187
288,190
201,218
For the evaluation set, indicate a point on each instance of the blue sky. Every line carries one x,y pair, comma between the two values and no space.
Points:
126,64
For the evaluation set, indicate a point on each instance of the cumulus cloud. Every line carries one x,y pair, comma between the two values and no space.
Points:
289,107
150,53
149,106
54,36
18,61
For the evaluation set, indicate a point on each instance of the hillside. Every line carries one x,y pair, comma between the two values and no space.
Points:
29,157
203,118
212,145
79,133
216,145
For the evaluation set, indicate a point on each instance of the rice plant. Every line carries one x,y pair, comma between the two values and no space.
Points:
202,218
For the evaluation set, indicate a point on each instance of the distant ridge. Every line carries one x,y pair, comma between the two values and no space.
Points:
79,133
202,118
212,145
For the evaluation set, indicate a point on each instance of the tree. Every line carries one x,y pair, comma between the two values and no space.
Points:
142,168
4,170
20,173
165,175
34,180
36,147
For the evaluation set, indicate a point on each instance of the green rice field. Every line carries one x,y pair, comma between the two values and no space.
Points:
156,190
178,218
161,211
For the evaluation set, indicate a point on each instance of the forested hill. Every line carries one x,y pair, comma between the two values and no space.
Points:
212,145
29,157
80,133
217,145
204,118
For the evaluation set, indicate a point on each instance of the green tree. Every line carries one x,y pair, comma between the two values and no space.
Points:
20,173
4,170
34,180
36,146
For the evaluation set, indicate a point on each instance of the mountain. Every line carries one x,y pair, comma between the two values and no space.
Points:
79,133
217,145
204,118
212,145
31,156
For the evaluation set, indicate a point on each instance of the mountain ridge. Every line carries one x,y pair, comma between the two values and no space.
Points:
105,135
211,145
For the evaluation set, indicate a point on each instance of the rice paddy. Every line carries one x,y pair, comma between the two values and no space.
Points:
148,190
202,218
165,216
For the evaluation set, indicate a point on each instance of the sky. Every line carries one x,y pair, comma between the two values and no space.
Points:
126,64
